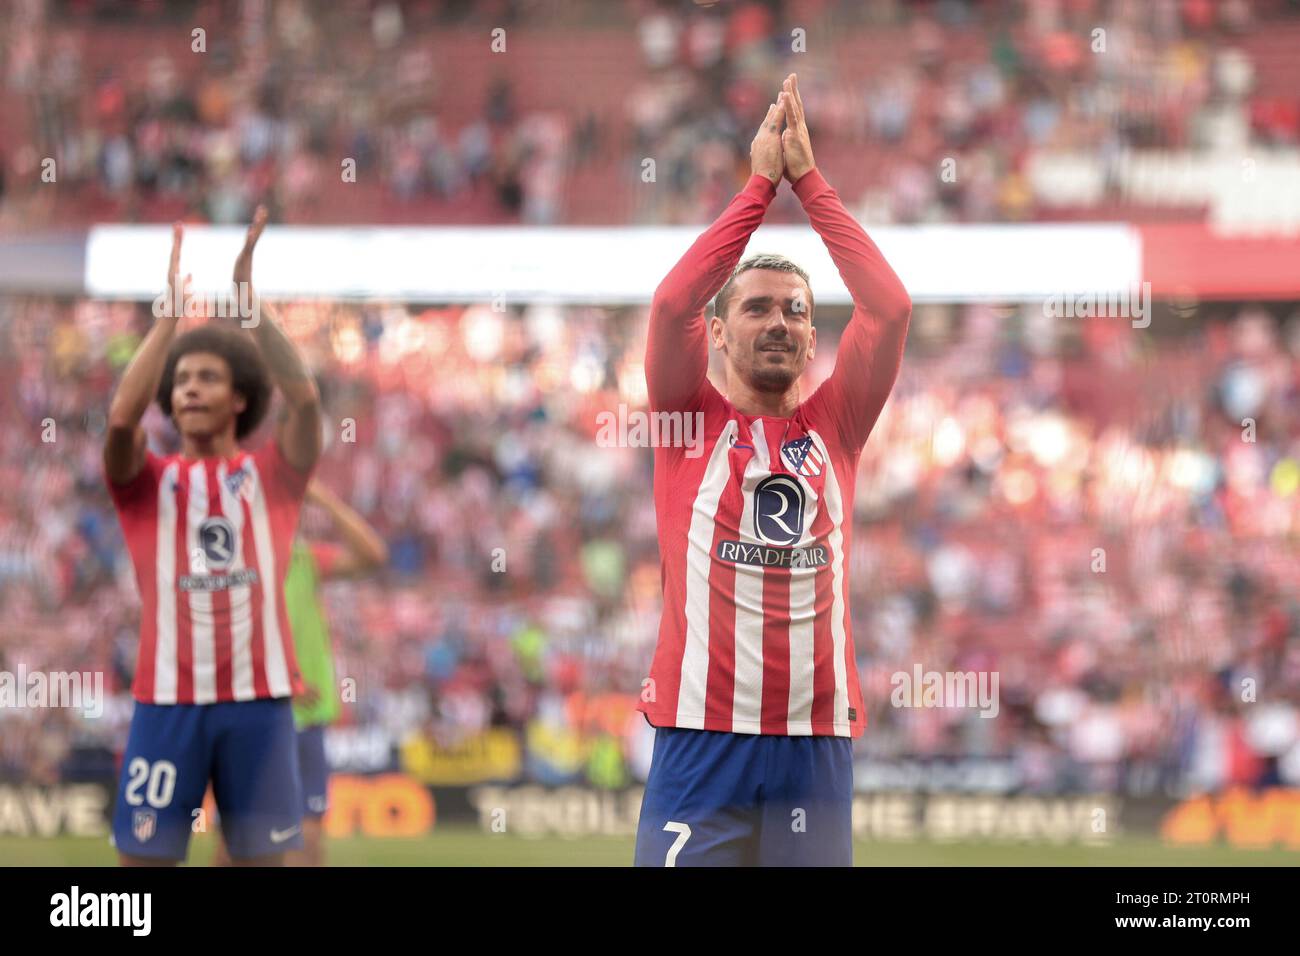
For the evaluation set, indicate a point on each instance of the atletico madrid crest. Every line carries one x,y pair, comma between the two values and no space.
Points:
144,824
803,457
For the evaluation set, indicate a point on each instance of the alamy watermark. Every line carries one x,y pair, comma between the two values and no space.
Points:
946,689
132,911
38,690
639,429
239,303
1131,303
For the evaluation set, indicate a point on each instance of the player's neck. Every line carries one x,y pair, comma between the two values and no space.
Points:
209,446
750,401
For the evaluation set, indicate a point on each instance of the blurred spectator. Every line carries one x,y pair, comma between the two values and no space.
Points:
440,128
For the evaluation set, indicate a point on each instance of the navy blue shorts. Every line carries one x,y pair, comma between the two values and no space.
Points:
249,752
314,770
724,799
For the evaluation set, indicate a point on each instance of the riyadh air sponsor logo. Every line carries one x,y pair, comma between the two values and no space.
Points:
778,510
766,556
217,582
217,536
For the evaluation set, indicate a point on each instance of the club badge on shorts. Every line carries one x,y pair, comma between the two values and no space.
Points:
144,824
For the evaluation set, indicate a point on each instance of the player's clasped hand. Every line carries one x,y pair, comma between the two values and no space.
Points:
796,146
777,152
244,263
175,306
765,151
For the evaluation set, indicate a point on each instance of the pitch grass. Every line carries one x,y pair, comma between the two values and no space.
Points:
470,847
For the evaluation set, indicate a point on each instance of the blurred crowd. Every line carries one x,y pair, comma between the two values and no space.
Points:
378,111
1104,517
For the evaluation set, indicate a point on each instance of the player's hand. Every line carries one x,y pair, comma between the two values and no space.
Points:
244,263
795,142
765,151
319,493
174,276
313,493
309,697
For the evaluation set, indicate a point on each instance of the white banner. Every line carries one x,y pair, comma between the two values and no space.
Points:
608,266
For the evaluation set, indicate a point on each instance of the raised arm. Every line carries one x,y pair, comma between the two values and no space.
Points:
871,350
124,444
677,350
299,432
364,549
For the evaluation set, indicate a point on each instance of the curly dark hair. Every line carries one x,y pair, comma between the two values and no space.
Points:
248,373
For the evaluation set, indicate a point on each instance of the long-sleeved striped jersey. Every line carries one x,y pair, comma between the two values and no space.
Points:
754,533
210,540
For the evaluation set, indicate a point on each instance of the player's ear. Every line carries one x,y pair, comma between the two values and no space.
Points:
812,339
716,331
238,402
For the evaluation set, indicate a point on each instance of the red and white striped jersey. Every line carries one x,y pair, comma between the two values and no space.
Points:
755,531
210,540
